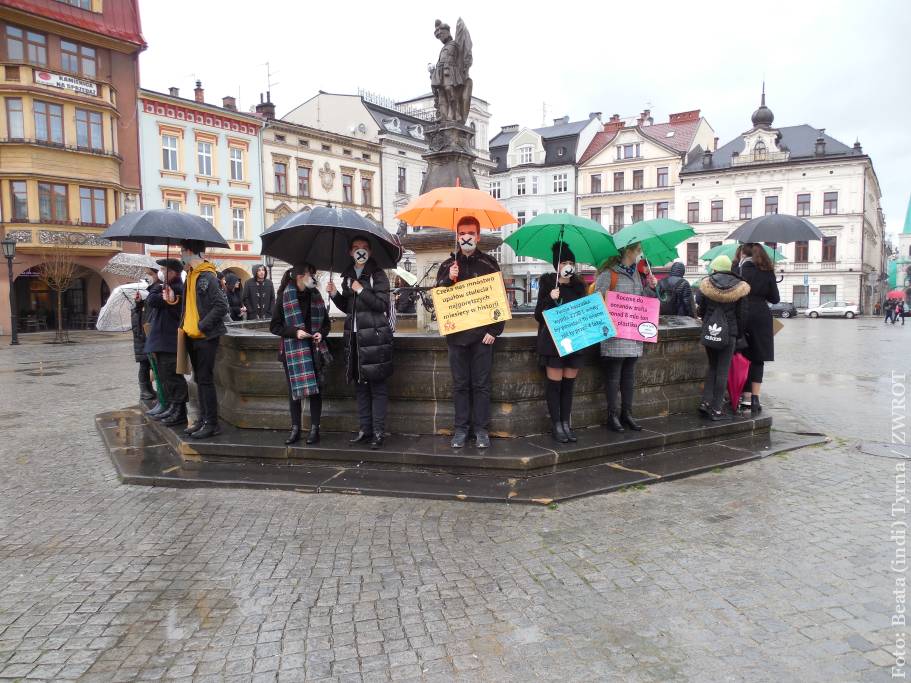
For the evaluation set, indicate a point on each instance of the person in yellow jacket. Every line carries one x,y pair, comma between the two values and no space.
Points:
203,310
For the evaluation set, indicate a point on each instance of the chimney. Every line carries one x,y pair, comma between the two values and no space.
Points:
511,128
684,116
198,93
715,148
645,118
229,103
613,124
820,145
707,158
265,108
857,148
561,121
594,115
174,92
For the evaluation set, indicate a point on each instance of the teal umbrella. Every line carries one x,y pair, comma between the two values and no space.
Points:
731,248
659,238
589,241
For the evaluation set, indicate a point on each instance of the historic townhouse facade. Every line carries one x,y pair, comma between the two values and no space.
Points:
629,171
205,159
69,144
535,173
798,170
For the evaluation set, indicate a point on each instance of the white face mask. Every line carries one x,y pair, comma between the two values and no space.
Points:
468,243
567,270
161,276
360,255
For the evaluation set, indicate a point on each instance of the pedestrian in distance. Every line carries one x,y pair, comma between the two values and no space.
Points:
719,303
161,344
470,351
364,298
757,271
301,318
139,318
890,310
258,298
554,289
899,312
619,356
675,293
233,292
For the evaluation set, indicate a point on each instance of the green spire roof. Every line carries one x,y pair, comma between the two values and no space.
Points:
907,229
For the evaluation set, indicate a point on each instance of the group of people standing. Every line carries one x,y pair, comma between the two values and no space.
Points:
895,310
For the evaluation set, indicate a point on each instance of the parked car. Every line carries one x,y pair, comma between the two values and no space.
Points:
783,309
837,309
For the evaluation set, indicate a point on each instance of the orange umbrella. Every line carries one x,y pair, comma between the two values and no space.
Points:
444,206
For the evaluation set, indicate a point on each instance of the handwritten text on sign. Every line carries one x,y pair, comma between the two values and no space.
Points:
579,324
471,303
635,317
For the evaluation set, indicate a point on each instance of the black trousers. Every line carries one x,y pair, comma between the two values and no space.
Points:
757,368
716,376
202,358
372,402
471,366
295,405
619,373
145,367
173,384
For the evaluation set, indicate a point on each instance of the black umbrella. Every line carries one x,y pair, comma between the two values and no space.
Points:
163,226
776,227
320,237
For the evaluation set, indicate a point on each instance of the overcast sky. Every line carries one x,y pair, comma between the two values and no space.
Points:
841,65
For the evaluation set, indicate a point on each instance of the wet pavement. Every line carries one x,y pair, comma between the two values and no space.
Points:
776,570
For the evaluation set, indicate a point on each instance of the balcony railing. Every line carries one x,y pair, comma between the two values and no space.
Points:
829,265
768,158
60,146
799,265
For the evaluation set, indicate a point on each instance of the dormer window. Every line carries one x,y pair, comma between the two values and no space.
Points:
760,152
561,151
525,154
393,124
417,131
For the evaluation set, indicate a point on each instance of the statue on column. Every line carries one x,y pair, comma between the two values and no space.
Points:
449,79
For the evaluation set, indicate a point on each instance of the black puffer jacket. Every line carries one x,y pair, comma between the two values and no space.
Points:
572,290
475,265
367,313
211,304
727,292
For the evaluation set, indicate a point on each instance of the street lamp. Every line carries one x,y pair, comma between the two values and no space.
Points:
9,252
269,261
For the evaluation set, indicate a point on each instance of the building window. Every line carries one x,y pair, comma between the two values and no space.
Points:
827,293
77,59
204,157
52,202
520,218
169,153
828,249
596,183
618,181
712,245
92,208
19,193
771,204
15,124
403,177
631,151
692,253
638,212
637,180
596,214
88,130
830,203
346,152
561,211
561,182
803,205
495,189
281,178
236,156
347,184
746,208
26,46
207,211
81,4
760,152
520,186
172,204
239,223
534,184
366,192
799,297
661,209
717,210
801,252
662,176
618,219
692,212
49,122
525,154
303,181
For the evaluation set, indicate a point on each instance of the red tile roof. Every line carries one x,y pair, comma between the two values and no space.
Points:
684,132
119,19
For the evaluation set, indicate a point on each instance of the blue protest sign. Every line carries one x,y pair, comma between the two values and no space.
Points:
578,324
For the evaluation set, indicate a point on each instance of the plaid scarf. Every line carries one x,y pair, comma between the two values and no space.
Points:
302,368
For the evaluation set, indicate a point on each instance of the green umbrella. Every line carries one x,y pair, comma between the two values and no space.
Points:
589,241
730,248
659,238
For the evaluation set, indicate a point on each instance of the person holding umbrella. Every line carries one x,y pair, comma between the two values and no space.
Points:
560,287
138,320
202,312
161,344
364,299
258,298
757,271
301,319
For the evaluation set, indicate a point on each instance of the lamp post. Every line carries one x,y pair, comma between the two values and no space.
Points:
269,261
9,252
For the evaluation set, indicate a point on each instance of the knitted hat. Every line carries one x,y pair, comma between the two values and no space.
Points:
720,264
562,252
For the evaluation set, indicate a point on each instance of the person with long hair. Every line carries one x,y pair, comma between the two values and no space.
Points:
301,319
757,271
619,356
560,287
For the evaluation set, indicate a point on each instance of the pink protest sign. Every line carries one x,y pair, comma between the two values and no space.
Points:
635,317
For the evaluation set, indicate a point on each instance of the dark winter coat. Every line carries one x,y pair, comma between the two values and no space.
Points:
280,328
758,317
572,290
367,313
162,338
233,293
259,297
675,292
211,304
138,317
727,292
475,265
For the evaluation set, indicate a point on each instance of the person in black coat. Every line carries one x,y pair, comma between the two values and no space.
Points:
302,277
470,351
139,317
258,298
233,292
675,293
161,343
554,289
757,271
364,299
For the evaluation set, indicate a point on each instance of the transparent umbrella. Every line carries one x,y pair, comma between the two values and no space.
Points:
115,314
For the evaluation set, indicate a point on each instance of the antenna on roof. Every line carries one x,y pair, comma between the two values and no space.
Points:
269,74
543,113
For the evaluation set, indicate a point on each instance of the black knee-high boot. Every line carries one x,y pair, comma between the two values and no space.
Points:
552,393
567,386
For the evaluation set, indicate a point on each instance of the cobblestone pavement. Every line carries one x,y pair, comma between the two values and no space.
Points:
778,570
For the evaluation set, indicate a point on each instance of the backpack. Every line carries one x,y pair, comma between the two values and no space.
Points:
613,284
716,331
